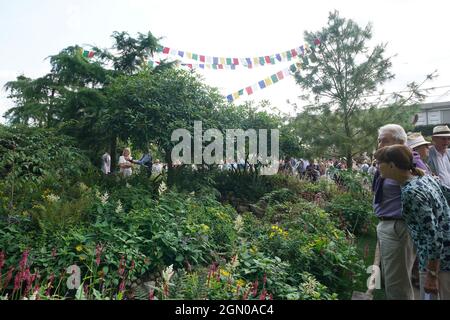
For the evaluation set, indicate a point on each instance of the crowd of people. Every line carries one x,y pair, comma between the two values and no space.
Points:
313,170
411,194
127,163
302,168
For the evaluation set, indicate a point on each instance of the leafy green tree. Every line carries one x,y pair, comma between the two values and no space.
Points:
154,103
33,157
341,75
72,96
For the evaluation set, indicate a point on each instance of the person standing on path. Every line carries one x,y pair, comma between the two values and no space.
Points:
439,155
427,214
396,247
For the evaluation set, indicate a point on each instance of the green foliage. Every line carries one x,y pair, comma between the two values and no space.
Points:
355,214
33,159
352,181
245,185
279,196
309,239
53,213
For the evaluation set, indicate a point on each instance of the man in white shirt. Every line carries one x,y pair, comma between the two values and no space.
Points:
439,155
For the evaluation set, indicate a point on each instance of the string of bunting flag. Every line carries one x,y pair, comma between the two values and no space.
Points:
262,84
224,63
245,62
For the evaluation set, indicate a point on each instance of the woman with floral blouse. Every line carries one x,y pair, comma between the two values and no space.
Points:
427,215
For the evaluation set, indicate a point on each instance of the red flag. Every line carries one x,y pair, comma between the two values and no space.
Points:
220,66
249,90
166,50
294,52
202,58
280,75
91,54
235,61
316,42
267,59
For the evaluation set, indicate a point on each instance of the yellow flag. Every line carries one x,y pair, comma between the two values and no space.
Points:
222,61
255,61
268,81
236,95
189,55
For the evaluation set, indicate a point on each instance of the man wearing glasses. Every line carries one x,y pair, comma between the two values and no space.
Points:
439,155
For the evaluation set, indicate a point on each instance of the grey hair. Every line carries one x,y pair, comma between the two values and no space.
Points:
398,133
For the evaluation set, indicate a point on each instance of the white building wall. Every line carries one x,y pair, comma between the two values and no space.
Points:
422,120
434,117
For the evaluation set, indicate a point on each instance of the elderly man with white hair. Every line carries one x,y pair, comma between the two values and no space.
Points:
439,155
396,247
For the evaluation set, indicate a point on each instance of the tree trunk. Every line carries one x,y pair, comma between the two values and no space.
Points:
349,160
113,146
170,168
50,109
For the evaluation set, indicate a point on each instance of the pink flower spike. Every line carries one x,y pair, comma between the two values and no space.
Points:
8,277
263,295
255,288
2,259
122,266
122,286
98,253
17,281
24,260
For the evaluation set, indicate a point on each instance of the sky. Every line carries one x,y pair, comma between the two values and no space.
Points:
415,33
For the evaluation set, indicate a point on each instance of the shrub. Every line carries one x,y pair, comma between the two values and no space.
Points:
354,213
308,239
32,159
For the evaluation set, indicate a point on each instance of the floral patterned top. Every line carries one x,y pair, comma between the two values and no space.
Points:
427,215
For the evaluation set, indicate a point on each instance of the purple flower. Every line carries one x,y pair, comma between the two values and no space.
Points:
98,253
23,262
2,260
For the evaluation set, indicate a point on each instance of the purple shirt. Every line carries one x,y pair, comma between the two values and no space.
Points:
420,164
391,203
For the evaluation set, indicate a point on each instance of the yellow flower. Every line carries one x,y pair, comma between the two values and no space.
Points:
82,257
224,273
204,227
79,248
240,283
